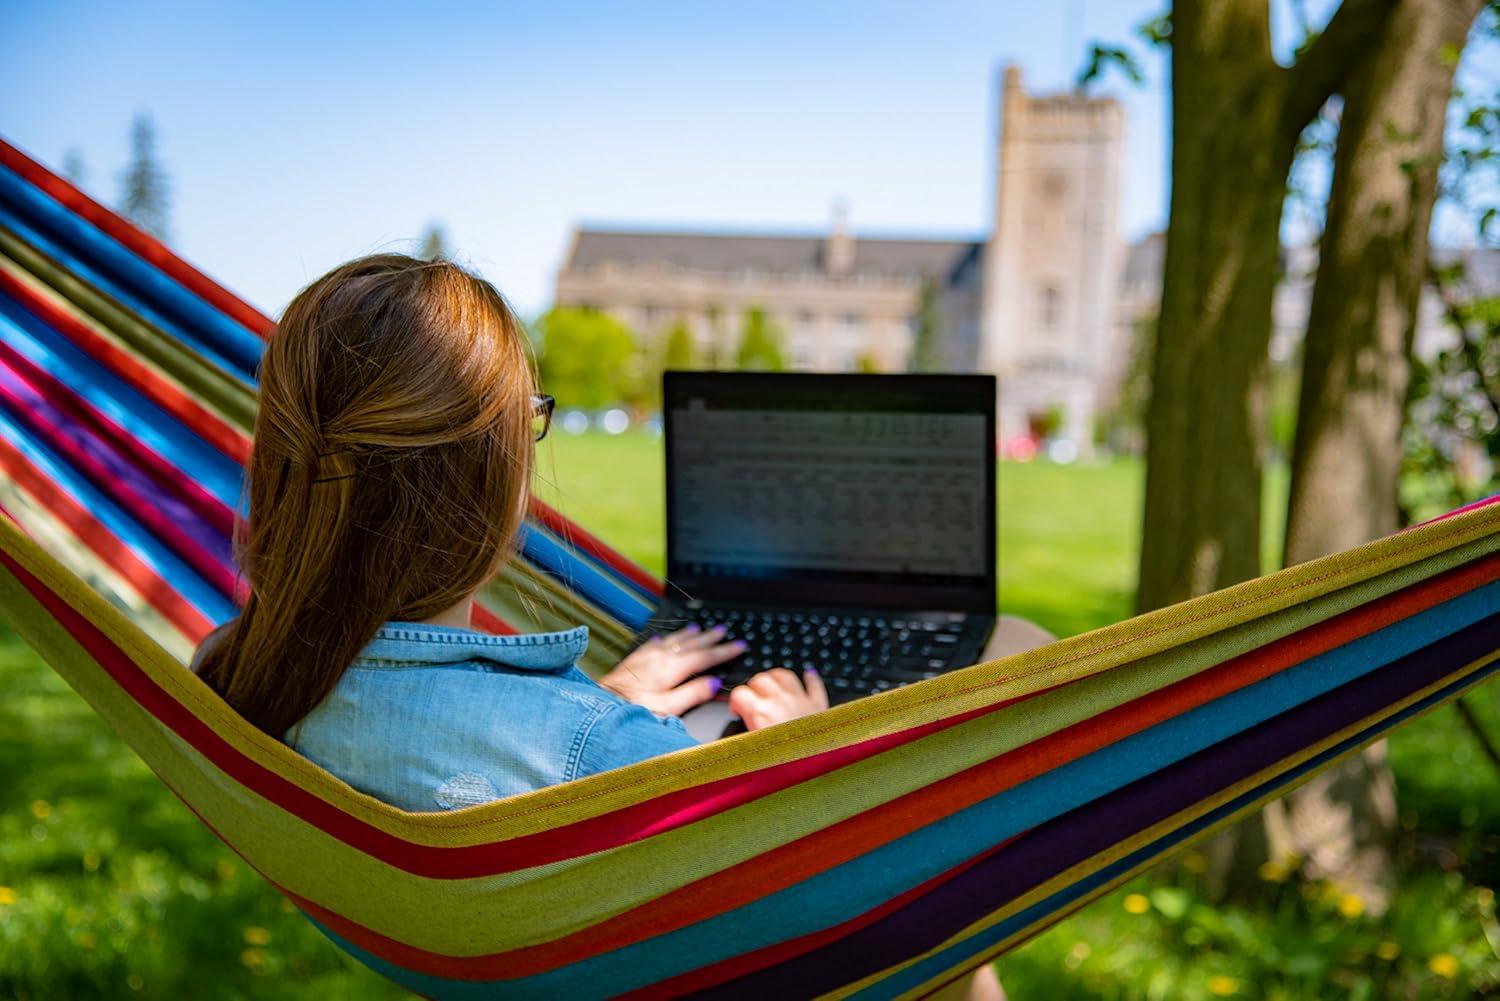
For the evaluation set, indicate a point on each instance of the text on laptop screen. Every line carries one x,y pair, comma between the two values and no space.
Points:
837,489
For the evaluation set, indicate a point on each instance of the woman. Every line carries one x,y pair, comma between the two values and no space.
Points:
390,472
389,477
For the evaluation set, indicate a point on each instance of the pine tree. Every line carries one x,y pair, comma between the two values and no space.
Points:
73,167
434,243
144,200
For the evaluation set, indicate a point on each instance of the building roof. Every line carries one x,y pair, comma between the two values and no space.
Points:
766,254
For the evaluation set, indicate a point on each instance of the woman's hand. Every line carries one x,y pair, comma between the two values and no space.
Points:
777,696
659,673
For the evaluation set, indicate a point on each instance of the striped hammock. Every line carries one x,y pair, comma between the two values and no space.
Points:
880,849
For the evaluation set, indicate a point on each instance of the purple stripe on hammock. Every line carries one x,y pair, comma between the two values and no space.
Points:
154,506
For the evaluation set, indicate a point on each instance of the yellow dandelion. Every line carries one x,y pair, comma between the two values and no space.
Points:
7,896
1223,986
1444,965
1272,872
134,982
255,935
253,959
1137,904
1194,862
41,809
91,861
1387,950
1081,950
1351,905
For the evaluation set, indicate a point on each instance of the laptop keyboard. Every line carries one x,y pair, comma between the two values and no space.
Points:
855,654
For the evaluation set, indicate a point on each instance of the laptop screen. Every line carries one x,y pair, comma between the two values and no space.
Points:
837,490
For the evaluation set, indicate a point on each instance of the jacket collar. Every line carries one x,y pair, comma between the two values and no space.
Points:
422,643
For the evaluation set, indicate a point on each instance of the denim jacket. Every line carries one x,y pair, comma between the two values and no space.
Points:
437,718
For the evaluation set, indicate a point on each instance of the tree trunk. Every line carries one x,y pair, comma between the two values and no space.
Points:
1236,116
1355,371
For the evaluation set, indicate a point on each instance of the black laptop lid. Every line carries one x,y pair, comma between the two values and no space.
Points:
835,490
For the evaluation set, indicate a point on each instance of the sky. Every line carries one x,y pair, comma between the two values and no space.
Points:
296,135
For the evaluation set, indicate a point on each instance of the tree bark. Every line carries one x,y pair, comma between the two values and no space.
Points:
1373,263
1236,116
1356,367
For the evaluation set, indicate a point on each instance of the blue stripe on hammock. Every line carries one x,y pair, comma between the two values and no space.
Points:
158,430
126,270
952,956
579,573
193,588
126,298
862,884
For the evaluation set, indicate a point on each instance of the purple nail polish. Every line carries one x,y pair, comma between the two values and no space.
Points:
811,670
740,645
714,685
692,627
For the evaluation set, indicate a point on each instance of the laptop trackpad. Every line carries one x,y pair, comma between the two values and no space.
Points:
707,722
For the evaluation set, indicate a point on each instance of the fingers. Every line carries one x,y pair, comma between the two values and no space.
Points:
679,700
816,690
777,695
691,637
776,682
691,662
753,708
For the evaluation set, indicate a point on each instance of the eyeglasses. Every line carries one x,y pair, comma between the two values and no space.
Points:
542,406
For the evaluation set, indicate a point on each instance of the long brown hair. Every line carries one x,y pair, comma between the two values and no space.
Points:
393,451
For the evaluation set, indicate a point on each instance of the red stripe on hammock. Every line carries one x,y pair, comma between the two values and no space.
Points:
795,861
484,620
166,394
1471,506
144,245
116,555
575,536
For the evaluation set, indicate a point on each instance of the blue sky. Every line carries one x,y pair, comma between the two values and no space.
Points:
298,135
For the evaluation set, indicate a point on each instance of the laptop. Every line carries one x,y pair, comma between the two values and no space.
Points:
844,523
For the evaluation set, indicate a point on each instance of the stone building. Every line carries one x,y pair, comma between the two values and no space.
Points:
1034,301
841,302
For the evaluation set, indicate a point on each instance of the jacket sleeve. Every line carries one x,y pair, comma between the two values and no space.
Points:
627,733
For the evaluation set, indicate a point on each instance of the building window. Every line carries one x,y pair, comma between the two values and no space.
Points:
1050,307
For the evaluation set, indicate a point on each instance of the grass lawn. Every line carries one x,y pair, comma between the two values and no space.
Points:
109,887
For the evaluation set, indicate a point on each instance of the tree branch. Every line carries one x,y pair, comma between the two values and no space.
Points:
1453,312
1351,33
1476,730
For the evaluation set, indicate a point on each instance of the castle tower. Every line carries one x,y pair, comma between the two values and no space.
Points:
1052,264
